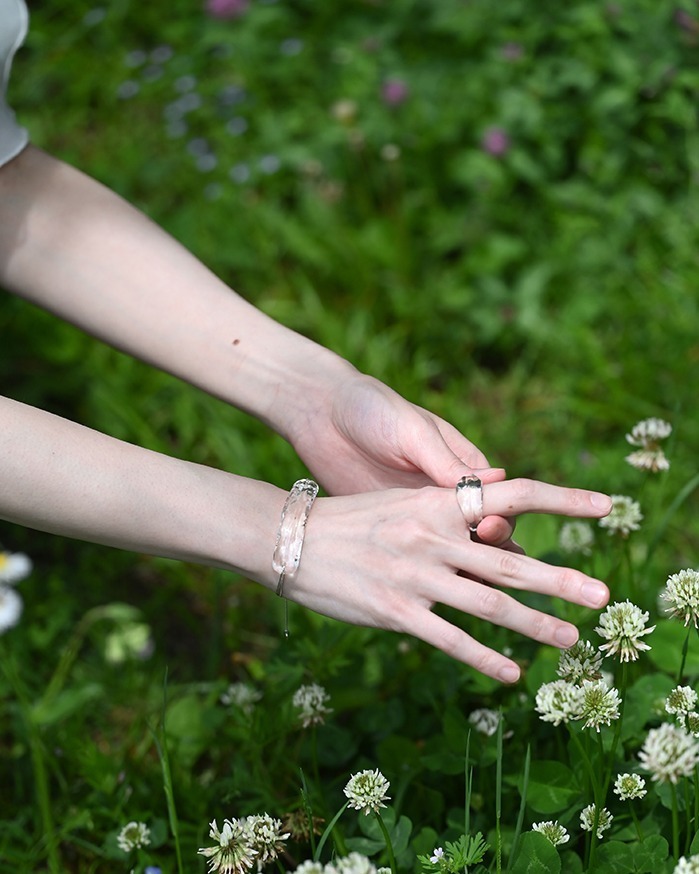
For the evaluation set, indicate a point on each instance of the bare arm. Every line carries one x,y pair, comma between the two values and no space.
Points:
381,559
74,247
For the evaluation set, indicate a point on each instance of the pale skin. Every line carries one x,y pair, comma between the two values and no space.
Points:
387,545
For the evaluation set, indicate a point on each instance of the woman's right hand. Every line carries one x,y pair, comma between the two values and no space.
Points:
386,558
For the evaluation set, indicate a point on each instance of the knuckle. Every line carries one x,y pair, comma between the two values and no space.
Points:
493,604
538,629
485,661
451,640
524,487
566,581
509,564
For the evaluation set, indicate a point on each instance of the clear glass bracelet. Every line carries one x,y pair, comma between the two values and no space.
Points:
292,527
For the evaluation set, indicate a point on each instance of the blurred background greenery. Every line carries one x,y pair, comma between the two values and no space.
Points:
490,206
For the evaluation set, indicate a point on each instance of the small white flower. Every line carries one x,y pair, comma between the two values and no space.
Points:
311,700
437,856
669,753
649,432
654,460
623,624
587,820
234,852
354,863
681,701
14,567
580,662
367,791
266,836
132,640
682,595
599,704
244,696
692,723
558,701
628,786
647,435
133,835
576,537
11,607
310,867
552,830
485,721
687,865
624,518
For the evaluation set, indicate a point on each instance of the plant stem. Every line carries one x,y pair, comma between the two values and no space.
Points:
498,799
675,823
685,650
164,756
41,782
387,838
522,806
468,785
328,829
634,816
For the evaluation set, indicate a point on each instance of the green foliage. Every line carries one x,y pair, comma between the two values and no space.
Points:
542,298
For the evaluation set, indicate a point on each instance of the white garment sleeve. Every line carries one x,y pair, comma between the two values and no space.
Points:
14,20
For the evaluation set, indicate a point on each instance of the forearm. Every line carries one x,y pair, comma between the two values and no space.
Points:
74,247
66,479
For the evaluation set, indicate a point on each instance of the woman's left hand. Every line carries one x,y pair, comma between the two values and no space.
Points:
368,437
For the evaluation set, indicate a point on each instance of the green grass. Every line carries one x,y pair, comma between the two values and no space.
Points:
543,301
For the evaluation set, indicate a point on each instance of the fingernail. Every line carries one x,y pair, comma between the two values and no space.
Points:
594,594
600,501
509,674
566,635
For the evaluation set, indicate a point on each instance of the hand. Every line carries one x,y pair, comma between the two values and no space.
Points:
368,437
385,558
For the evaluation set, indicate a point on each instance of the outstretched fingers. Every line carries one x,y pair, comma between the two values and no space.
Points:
516,571
516,496
456,643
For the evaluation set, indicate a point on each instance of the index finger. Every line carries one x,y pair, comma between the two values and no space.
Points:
515,496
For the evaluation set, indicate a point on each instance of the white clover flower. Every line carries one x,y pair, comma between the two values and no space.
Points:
14,567
622,625
669,753
654,460
628,786
133,835
624,518
234,853
580,662
647,435
132,640
310,867
354,863
682,595
558,701
244,696
587,820
692,723
649,432
11,607
485,721
687,865
576,537
266,836
311,700
552,830
367,791
681,701
599,704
